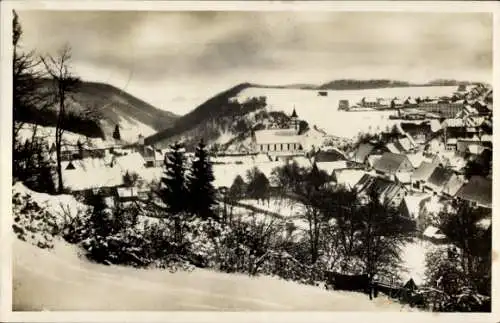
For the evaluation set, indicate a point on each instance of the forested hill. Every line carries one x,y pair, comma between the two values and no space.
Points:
110,106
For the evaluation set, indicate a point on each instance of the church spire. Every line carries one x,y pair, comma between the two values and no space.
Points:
294,113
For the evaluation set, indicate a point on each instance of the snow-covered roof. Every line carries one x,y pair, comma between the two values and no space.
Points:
126,191
433,232
362,152
302,161
478,189
403,177
277,136
84,178
329,167
475,149
348,177
390,162
455,122
392,148
413,202
406,143
372,159
416,159
130,162
453,185
424,171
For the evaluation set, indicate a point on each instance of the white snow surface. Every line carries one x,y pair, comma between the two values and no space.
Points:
59,280
60,206
323,112
413,256
130,129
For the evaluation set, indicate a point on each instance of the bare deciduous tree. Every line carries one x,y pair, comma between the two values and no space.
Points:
64,83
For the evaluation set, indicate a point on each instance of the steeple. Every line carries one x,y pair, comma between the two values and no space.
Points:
294,120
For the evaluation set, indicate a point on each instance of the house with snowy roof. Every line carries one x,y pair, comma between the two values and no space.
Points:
422,174
347,177
440,178
388,192
477,191
444,109
421,132
360,155
91,176
390,164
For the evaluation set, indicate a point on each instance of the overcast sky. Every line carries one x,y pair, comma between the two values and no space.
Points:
171,58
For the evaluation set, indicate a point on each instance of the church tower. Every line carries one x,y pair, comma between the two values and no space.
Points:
294,120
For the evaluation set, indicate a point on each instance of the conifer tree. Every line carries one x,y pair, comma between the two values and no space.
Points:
200,185
80,148
116,133
173,191
237,189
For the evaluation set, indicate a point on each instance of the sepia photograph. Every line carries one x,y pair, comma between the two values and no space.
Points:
224,159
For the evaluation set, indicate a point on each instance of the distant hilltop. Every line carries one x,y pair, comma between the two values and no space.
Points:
356,84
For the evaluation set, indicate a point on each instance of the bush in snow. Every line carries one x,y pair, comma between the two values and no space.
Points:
112,236
459,278
32,223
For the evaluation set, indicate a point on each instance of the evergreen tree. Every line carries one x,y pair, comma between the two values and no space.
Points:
173,191
258,184
116,133
80,148
200,184
237,189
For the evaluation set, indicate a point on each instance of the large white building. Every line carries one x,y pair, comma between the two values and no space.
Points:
279,140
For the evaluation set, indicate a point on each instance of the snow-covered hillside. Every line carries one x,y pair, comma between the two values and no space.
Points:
69,138
322,111
60,280
130,129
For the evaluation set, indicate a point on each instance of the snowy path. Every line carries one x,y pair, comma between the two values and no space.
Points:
59,280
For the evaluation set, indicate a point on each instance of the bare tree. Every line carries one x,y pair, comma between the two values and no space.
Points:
26,74
64,83
28,99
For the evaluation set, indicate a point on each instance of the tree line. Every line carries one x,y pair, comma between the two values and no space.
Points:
30,157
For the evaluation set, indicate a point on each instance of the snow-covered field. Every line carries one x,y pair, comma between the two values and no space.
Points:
323,112
60,280
285,208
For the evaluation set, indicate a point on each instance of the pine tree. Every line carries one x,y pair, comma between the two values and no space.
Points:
80,148
237,189
116,133
200,185
173,191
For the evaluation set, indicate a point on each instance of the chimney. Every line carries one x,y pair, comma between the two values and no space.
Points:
141,140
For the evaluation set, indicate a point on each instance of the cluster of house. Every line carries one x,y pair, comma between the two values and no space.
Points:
415,178
477,101
417,166
89,168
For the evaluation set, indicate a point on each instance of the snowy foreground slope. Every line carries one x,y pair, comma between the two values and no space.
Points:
60,280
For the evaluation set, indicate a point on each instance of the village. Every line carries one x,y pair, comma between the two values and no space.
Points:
418,167
414,161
